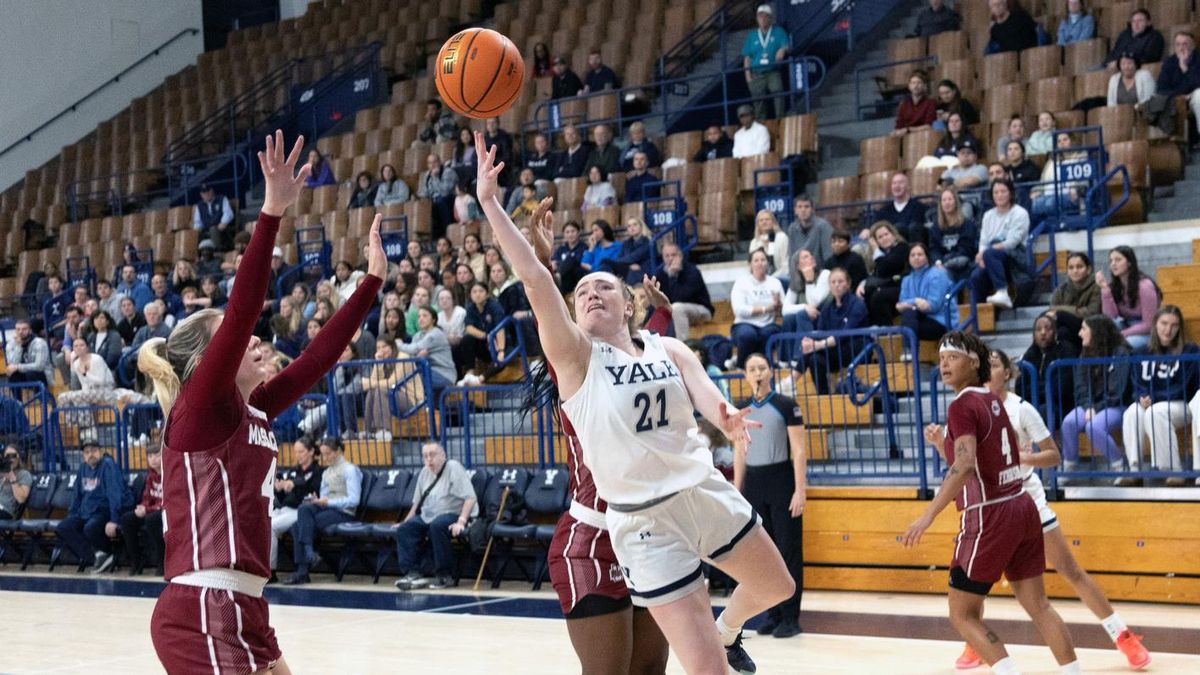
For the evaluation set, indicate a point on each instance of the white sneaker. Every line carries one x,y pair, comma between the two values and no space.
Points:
1000,299
730,363
383,435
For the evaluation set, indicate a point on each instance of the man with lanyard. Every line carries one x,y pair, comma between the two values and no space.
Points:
443,501
764,48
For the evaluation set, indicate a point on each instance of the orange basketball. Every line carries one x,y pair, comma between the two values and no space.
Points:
479,73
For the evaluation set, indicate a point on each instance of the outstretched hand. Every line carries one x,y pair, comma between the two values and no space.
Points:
376,258
283,181
487,174
736,426
653,293
541,228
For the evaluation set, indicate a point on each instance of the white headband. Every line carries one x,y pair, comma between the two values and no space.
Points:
947,347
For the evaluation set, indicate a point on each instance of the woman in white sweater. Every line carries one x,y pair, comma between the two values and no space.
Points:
91,385
774,241
1131,83
757,299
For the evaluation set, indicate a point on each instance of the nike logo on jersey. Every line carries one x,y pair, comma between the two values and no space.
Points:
641,372
260,436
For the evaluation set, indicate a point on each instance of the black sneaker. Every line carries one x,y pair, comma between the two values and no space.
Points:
787,628
104,562
297,578
768,626
405,583
439,583
738,659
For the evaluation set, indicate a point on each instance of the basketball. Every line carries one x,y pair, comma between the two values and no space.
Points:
479,73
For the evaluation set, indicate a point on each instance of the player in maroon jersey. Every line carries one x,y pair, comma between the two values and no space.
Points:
999,530
219,453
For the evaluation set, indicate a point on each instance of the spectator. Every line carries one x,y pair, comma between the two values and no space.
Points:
182,276
599,76
567,258
100,496
130,322
953,236
103,339
1140,39
392,325
528,202
541,61
341,491
211,292
1131,298
807,291
949,101
473,255
1012,29
145,521
946,153
1180,74
638,181
421,297
484,313
322,172
881,290
757,299
846,311
906,214
936,18
684,286
572,162
808,231
923,296
1102,393
1075,299
1055,194
208,264
752,138
345,279
1001,246
451,318
602,245
438,124
1160,393
604,153
543,162
107,298
762,52
633,260
715,145
599,192
286,329
565,83
464,159
1042,140
917,111
1077,25
494,136
131,287
14,485
437,184
768,237
440,512
391,190
1131,84
466,208
155,327
845,258
172,303
1020,169
378,385
430,343
302,300
212,217
92,384
291,493
639,142
1048,347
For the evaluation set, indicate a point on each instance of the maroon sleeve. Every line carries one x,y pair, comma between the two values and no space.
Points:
151,501
660,320
281,391
961,420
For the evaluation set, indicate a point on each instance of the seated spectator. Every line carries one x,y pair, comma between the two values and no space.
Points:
212,217
392,326
541,66
1102,392
191,301
1048,347
27,356
341,491
949,101
131,287
438,124
1042,140
1012,29
923,296
96,504
1055,193
752,138
322,172
599,76
715,145
182,274
845,258
757,299
565,83
430,343
302,299
1160,393
1180,74
567,258
377,411
127,326
107,297
968,173
528,202
936,18
1131,298
421,297
1001,246
437,183
881,290
14,485
291,493
906,214
639,142
543,161
494,136
827,355
808,230
1020,169
1015,132
1077,25
484,313
172,304
1140,39
451,318
638,181
572,162
604,153
953,236
345,279
464,159
103,339
683,284
517,195
286,328
466,208
808,290
634,259
207,265
364,191
602,245
155,327
92,384
391,189
145,521
1131,84
762,52
599,192
946,153
768,237
1075,299
917,111
472,254
443,502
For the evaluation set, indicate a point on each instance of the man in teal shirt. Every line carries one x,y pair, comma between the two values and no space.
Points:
765,47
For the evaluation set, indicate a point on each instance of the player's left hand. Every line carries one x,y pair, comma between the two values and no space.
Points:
487,175
376,258
541,229
916,530
736,425
110,530
799,500
653,293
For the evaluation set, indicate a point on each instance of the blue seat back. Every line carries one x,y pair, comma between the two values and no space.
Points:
516,479
480,479
41,493
137,484
387,494
547,492
61,501
368,483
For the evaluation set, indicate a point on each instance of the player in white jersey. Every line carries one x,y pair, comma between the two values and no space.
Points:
1031,429
632,406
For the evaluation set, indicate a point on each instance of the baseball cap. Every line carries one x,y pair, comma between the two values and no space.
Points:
207,244
745,109
968,144
765,9
205,187
277,253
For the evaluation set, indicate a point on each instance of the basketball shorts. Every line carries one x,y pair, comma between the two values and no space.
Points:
205,630
582,563
1003,539
1047,516
661,547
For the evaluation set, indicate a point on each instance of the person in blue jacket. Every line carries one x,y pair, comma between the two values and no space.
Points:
1160,393
1077,25
923,296
843,310
101,495
602,245
634,259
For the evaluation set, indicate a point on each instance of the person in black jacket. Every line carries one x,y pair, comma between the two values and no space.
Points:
102,338
1180,74
936,18
291,490
565,83
542,161
953,236
566,258
1046,349
715,146
881,290
1140,39
845,258
904,212
1012,29
684,286
1018,166
572,162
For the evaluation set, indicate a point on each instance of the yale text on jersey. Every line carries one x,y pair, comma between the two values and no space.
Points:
641,372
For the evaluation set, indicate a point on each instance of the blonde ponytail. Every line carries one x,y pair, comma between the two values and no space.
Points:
170,362
152,362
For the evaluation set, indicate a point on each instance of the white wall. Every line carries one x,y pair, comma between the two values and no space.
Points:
53,52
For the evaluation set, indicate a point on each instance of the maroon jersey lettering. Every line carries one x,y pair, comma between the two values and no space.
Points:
977,412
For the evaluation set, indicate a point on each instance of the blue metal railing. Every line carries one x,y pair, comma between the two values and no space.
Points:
702,40
1093,223
403,395
25,419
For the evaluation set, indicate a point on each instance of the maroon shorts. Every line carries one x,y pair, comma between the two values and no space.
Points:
204,630
998,539
582,563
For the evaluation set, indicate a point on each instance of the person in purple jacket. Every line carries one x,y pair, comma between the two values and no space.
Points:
322,173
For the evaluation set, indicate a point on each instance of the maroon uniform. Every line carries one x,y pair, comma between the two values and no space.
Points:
999,530
218,469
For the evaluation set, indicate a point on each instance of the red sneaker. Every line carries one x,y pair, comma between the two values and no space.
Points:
968,659
1131,646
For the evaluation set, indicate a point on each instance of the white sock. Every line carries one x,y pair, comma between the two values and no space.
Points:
1071,668
1114,626
1005,666
727,632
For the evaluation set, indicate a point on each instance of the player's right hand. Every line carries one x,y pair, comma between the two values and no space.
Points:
487,173
913,536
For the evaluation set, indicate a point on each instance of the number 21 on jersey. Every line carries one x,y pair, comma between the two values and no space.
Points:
646,410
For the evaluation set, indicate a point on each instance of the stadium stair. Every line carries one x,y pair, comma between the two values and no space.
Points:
1181,200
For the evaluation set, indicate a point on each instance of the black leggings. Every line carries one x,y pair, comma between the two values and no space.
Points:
769,490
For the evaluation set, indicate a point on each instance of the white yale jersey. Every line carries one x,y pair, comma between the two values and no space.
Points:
634,419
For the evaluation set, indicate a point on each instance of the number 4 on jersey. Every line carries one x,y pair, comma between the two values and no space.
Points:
646,418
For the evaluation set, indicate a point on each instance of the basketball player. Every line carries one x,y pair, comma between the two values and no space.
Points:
219,453
1030,429
632,408
999,531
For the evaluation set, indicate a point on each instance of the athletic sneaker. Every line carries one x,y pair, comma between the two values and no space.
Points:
440,582
768,626
787,628
1000,299
1131,646
968,659
738,659
405,582
104,562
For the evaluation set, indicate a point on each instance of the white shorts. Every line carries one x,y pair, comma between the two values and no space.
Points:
661,547
1047,516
